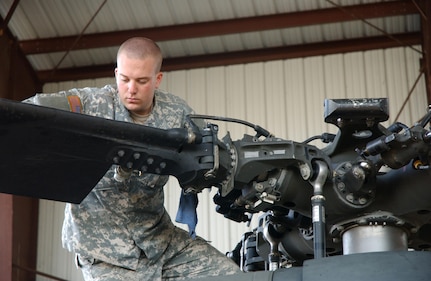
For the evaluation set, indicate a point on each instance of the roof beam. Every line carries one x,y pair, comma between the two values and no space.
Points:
277,53
222,27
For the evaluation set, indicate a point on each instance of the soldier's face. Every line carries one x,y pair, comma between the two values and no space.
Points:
136,81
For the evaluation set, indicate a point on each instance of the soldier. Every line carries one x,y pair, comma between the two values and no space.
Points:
121,230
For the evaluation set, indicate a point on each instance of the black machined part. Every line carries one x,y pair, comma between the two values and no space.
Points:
345,112
358,121
59,155
381,266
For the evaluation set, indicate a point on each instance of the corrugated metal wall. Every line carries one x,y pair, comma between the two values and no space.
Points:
285,97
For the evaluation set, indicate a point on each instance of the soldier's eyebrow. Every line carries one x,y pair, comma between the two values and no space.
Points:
144,78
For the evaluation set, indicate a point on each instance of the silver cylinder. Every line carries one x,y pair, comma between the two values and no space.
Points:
374,238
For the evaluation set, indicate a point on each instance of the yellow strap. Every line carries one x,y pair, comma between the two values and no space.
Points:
74,103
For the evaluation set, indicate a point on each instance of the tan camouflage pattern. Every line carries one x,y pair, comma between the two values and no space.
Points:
184,259
122,229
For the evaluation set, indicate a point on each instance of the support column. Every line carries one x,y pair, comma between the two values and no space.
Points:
18,215
6,236
18,237
425,6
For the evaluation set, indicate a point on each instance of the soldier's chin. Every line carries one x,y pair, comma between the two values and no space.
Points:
135,108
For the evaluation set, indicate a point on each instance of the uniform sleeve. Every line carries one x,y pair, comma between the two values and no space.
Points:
65,100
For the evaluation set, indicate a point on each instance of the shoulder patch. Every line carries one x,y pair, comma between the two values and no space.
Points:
74,103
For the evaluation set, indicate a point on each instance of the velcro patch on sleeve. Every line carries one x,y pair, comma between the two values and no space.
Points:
75,104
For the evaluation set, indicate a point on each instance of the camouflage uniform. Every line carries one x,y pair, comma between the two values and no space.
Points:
121,230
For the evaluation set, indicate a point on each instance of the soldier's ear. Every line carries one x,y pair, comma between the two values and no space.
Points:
159,77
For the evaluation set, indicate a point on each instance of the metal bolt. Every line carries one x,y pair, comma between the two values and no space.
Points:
305,171
272,182
259,187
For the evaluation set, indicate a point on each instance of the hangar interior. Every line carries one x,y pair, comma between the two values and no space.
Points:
272,63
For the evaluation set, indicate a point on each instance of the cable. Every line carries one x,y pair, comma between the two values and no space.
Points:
372,25
422,71
79,37
425,120
325,137
258,129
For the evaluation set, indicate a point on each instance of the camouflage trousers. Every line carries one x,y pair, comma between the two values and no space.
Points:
184,259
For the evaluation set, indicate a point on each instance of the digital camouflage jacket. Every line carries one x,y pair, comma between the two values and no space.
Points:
119,221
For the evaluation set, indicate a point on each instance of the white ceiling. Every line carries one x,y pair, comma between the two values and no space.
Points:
184,32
